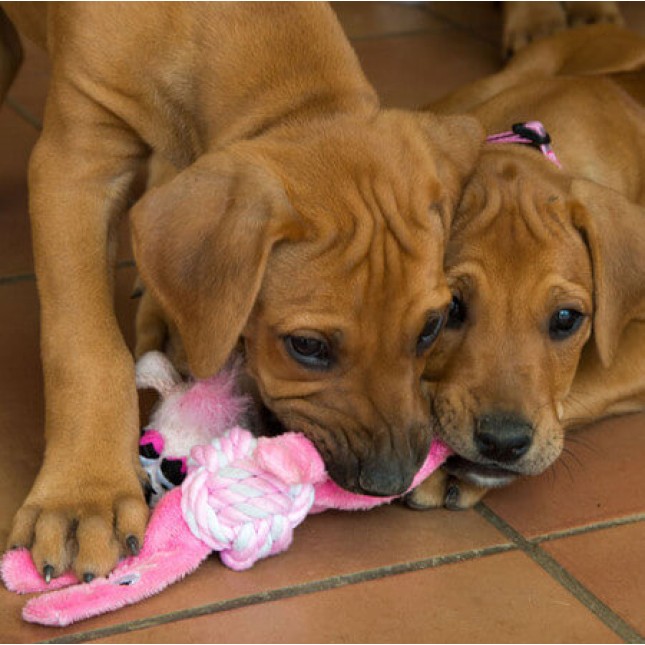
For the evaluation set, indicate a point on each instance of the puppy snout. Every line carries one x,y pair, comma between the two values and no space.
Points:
384,477
503,438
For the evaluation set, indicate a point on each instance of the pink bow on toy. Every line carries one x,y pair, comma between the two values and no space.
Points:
242,497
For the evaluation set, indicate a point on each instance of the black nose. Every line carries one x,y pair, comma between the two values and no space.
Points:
503,437
385,477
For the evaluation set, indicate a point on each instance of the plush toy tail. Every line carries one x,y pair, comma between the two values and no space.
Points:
170,551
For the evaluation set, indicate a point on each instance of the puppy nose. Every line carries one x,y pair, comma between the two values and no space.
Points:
502,437
385,477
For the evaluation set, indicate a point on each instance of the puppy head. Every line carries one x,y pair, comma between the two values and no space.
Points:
322,248
536,265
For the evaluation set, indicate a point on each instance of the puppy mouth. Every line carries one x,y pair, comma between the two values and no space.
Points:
486,476
268,423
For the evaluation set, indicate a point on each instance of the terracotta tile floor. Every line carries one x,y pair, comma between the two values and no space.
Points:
552,559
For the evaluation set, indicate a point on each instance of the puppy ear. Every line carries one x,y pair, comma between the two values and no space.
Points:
460,138
614,230
457,142
201,244
154,370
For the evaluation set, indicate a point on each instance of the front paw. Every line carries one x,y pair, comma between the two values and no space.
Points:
441,490
594,13
526,22
81,523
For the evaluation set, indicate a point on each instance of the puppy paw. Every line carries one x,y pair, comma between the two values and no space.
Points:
84,525
593,13
443,491
430,493
526,22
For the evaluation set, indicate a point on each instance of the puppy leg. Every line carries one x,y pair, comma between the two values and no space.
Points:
430,493
151,326
86,506
525,22
591,13
10,54
442,490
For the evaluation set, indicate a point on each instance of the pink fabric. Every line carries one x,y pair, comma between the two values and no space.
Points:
169,553
242,496
236,506
154,437
330,495
171,549
537,127
21,576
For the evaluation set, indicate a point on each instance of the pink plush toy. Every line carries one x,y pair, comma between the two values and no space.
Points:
242,496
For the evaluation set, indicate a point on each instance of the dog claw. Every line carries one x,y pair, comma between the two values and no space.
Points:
133,544
88,577
48,573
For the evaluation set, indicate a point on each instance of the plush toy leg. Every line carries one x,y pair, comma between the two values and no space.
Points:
170,551
20,575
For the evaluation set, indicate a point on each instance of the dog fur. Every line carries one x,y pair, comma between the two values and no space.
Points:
531,239
301,209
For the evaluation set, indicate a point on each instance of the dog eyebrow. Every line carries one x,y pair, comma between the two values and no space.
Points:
570,291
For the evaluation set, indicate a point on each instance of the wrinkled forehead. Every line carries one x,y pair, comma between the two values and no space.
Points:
518,236
369,277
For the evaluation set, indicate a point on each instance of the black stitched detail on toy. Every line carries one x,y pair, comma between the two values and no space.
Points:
147,450
172,471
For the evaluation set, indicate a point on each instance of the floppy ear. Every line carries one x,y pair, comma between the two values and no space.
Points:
201,244
614,230
457,142
154,370
460,138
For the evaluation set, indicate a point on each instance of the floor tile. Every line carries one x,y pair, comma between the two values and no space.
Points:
375,19
503,598
17,138
600,479
414,70
30,87
482,20
634,14
325,546
610,564
21,400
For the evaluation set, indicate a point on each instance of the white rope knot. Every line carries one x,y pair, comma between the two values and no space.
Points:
232,503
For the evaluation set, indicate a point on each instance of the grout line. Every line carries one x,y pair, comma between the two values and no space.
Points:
301,589
21,277
23,112
31,277
549,564
589,528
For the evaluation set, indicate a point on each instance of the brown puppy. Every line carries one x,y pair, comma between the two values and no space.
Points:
547,265
304,218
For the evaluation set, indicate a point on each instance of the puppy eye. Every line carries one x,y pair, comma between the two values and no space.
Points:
456,313
564,323
429,332
311,352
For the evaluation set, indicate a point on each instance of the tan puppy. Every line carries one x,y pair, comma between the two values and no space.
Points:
304,218
546,265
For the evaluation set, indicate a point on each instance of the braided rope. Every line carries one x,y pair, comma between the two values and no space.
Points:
237,507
